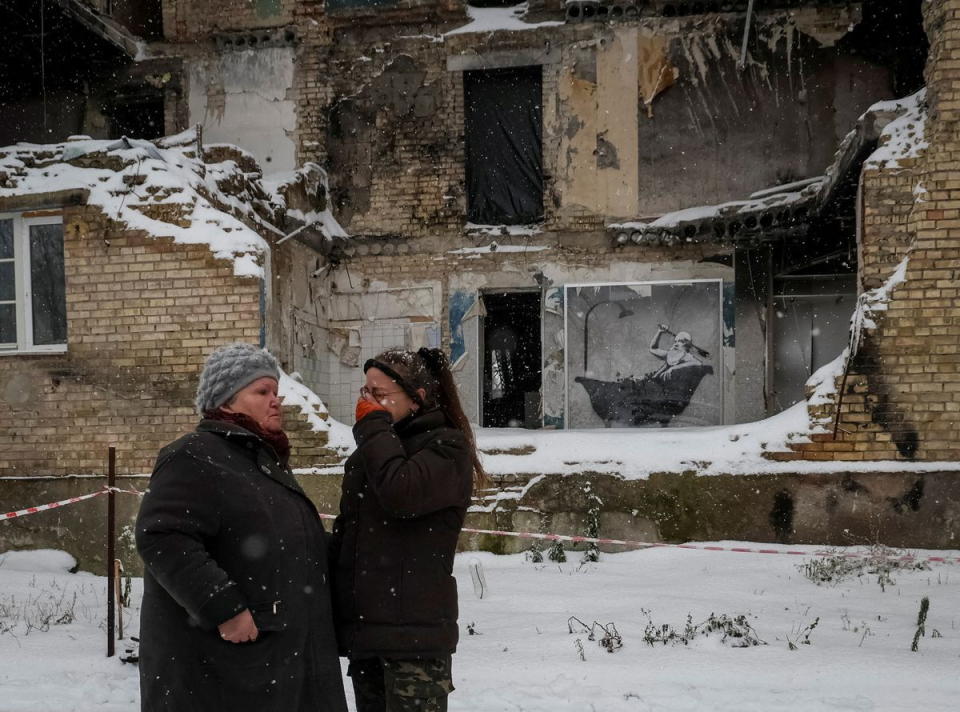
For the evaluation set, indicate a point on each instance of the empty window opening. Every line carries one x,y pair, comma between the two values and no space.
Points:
511,360
503,117
140,117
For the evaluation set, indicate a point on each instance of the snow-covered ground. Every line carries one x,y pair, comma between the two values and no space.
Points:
523,656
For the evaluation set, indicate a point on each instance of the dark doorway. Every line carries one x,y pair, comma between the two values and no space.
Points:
511,360
504,156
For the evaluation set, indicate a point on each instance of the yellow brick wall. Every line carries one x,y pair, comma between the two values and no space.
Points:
142,315
901,398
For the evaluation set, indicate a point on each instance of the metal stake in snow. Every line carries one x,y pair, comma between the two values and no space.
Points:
111,526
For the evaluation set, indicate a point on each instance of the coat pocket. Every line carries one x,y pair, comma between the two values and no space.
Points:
269,615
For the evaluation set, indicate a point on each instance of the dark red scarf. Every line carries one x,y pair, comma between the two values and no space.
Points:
278,441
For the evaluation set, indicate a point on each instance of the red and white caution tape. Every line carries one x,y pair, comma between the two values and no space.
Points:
52,505
63,503
574,539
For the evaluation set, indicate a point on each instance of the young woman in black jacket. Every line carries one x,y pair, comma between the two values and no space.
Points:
406,490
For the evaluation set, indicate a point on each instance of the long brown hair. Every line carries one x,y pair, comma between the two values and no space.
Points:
429,369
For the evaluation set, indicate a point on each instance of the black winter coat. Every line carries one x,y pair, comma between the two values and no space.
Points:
405,495
223,527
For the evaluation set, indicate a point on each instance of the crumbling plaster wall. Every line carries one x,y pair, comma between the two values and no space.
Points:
244,97
723,132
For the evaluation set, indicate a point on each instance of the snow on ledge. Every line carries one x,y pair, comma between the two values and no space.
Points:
904,137
637,453
494,247
770,198
493,19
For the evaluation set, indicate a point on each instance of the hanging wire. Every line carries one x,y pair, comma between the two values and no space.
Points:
43,69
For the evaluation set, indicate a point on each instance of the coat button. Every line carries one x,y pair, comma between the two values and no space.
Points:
265,469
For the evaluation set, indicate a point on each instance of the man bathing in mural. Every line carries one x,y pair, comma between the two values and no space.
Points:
659,395
681,351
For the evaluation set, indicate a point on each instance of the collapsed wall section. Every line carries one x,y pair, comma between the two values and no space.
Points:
897,396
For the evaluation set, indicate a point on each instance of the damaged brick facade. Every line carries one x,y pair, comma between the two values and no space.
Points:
640,117
901,397
142,314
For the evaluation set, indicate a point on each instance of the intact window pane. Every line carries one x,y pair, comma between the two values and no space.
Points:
8,323
48,285
6,239
7,289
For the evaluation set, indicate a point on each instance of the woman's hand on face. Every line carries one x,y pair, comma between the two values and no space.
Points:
239,629
367,406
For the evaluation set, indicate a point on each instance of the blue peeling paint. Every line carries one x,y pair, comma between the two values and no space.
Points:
460,303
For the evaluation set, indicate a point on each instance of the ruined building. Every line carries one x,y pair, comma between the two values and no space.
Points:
639,215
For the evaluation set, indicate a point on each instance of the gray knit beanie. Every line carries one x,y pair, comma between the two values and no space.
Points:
228,370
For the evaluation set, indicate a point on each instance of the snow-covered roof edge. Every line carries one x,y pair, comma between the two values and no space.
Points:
134,181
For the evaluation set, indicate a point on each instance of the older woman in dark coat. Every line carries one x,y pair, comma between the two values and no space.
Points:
236,607
406,490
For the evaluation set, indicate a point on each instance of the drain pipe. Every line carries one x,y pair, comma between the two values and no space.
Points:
746,33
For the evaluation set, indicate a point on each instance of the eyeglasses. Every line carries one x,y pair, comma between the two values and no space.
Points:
377,395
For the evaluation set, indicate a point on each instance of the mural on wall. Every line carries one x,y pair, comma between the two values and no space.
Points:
644,354
460,303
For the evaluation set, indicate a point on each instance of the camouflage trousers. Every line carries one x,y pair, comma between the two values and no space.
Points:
382,685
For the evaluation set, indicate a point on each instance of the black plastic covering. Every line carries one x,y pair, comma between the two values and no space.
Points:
504,119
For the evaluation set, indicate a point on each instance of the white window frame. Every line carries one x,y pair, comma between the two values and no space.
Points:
23,293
